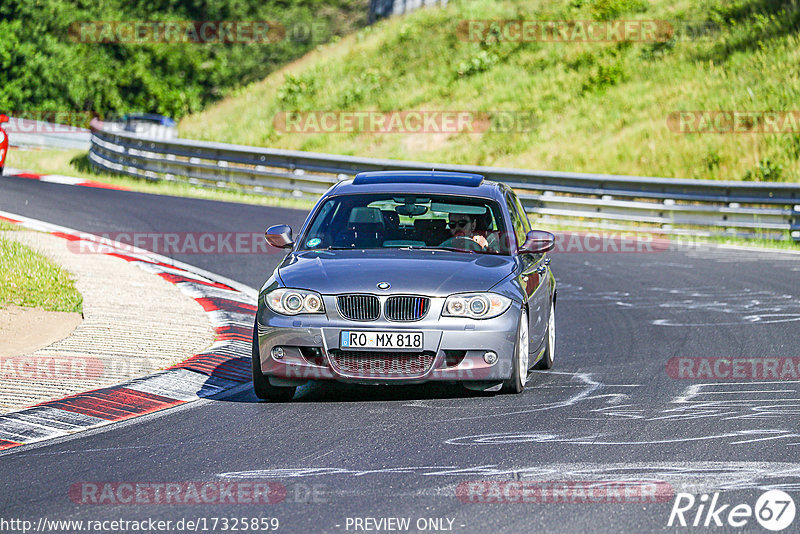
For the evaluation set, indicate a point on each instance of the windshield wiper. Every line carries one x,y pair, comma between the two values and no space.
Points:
449,249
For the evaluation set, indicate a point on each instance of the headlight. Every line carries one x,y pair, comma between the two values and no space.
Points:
476,305
294,301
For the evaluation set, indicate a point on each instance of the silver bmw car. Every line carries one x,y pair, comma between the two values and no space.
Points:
407,277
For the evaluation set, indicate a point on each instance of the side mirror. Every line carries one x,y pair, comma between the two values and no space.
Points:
3,118
279,236
537,242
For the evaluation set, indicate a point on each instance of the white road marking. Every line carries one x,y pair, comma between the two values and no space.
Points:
692,477
60,179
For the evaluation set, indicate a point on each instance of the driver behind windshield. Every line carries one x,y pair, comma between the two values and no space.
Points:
465,225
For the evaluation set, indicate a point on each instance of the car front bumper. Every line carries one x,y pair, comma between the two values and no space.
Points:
456,347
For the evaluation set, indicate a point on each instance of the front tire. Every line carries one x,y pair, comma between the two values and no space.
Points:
519,374
263,389
546,362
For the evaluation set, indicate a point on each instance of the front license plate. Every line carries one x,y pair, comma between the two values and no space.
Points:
381,340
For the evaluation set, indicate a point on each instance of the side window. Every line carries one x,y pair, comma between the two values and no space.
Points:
517,221
322,221
523,213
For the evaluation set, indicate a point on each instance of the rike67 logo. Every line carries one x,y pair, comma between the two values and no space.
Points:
774,510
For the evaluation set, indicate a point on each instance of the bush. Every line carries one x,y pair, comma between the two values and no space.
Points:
481,62
765,171
44,68
611,9
296,89
605,75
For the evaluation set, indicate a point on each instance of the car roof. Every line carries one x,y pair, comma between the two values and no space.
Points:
425,182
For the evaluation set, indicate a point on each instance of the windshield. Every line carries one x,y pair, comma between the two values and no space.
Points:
411,221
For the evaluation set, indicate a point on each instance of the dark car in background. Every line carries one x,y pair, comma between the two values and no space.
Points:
407,277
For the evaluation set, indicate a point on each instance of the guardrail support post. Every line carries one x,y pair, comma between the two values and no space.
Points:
795,224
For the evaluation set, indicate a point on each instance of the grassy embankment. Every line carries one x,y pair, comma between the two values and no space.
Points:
597,107
29,279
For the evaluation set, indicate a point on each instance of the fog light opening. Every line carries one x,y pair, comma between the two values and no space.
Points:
277,353
453,358
490,357
313,355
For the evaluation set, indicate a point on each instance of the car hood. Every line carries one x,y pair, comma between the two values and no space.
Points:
424,272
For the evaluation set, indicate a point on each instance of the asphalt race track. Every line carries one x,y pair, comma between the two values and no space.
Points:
609,411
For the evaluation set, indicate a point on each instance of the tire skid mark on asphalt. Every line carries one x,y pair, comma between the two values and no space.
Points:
224,365
737,403
588,385
732,307
691,477
515,438
774,402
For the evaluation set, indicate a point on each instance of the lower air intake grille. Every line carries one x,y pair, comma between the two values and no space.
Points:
406,308
369,364
359,307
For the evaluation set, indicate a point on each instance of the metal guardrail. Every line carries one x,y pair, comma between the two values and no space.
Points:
664,205
29,133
